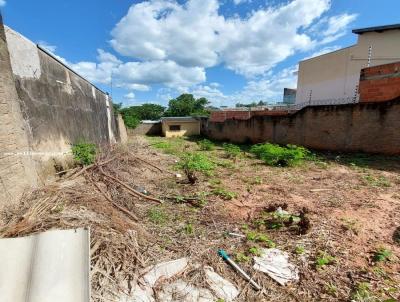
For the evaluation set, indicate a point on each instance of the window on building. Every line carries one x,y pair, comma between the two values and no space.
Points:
174,127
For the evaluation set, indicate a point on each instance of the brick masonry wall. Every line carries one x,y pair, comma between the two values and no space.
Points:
380,83
361,127
221,116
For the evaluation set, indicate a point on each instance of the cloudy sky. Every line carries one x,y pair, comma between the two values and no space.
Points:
228,51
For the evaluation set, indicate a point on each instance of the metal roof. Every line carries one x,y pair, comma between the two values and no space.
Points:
179,118
360,31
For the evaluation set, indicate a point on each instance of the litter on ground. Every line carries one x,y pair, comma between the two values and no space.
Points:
275,264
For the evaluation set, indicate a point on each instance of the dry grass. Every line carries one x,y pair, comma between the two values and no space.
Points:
130,231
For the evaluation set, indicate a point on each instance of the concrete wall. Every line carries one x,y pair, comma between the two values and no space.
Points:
146,129
336,75
188,128
362,127
45,107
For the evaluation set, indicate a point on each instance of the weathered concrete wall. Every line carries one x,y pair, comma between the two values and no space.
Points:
362,127
16,170
45,108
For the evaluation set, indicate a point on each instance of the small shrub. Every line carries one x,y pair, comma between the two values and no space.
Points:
84,153
231,150
195,162
275,155
382,255
324,259
206,145
254,236
224,194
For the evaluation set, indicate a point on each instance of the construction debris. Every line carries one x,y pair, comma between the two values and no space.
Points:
164,270
275,264
224,289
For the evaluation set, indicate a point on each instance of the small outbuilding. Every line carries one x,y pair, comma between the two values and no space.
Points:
180,126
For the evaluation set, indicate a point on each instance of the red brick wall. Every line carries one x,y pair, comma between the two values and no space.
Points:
380,83
221,116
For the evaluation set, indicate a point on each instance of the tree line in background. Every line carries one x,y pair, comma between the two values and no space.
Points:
184,105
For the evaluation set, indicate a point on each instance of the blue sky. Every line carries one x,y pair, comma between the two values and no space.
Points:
228,51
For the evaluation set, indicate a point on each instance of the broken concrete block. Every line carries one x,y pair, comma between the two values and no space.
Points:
223,288
164,270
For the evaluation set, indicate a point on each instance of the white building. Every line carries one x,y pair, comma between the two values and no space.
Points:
334,77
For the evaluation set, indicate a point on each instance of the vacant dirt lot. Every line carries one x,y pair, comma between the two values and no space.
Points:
340,227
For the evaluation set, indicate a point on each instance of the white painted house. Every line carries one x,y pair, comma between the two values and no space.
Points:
333,78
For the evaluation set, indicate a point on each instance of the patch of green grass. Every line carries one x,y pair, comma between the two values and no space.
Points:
362,292
224,194
380,181
172,146
255,251
257,237
206,145
300,250
241,257
256,180
275,155
231,150
382,254
84,153
157,215
324,259
189,229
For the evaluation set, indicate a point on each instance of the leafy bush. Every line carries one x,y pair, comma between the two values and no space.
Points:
206,145
231,150
84,153
324,259
131,121
275,155
191,163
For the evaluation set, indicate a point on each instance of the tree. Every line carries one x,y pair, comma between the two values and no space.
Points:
134,114
253,104
187,105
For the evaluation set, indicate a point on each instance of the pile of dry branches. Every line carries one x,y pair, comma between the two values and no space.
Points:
102,197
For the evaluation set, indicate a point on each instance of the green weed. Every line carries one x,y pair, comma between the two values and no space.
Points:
241,257
300,250
255,251
380,181
362,292
331,289
206,145
275,155
189,229
382,255
84,153
324,259
224,194
157,215
231,150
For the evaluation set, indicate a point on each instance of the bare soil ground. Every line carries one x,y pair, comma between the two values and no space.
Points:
351,202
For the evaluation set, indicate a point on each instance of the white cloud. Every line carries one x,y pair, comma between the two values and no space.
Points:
47,46
237,2
172,44
196,35
2,3
129,96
